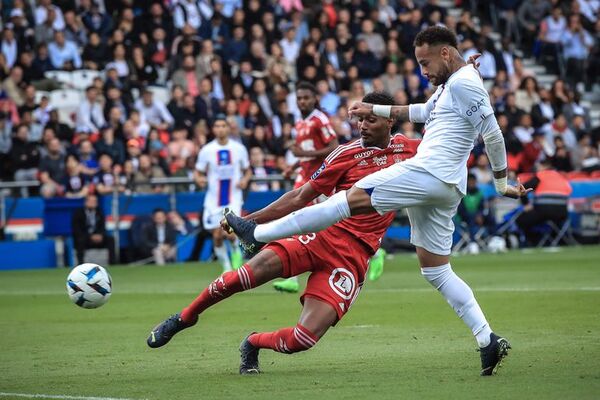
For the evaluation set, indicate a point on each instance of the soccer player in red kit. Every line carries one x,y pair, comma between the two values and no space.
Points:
337,257
315,140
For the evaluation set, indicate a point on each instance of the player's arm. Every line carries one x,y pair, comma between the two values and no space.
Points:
472,102
245,167
286,204
245,180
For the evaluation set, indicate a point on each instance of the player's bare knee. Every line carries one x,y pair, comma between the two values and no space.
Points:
429,259
359,201
266,266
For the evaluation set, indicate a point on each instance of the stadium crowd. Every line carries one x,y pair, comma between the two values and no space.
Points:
242,59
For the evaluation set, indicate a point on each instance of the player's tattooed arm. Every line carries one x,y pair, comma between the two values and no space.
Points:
363,110
286,204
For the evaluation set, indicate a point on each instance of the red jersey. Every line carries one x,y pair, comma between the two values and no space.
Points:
313,133
349,163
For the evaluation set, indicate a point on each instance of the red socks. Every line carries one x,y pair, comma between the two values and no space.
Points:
286,340
224,286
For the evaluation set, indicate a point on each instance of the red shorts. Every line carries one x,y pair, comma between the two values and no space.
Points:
338,262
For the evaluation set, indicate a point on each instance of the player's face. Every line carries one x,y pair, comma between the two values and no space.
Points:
306,101
221,129
374,131
434,63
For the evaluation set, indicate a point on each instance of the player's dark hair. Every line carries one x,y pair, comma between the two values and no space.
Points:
435,35
306,86
381,98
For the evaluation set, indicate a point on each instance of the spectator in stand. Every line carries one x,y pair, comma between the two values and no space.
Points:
104,180
75,183
181,148
145,173
87,157
14,86
527,95
110,146
44,32
374,40
260,170
89,230
143,71
561,160
365,60
487,61
188,77
542,113
153,111
43,10
159,238
530,15
95,53
97,21
559,128
194,13
90,117
9,47
25,157
207,105
482,171
552,30
577,43
52,169
328,100
524,130
64,54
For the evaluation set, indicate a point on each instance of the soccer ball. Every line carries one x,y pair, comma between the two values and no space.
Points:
497,244
89,285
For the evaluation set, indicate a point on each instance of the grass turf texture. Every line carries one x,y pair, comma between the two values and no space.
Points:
400,340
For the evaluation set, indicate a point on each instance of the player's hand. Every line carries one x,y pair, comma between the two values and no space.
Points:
518,191
243,184
360,110
473,60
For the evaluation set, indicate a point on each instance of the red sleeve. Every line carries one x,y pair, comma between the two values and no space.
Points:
326,178
325,131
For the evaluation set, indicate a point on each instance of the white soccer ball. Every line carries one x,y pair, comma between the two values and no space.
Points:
89,285
497,244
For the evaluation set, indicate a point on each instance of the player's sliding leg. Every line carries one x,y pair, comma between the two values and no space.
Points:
436,269
221,250
290,285
311,219
261,269
316,318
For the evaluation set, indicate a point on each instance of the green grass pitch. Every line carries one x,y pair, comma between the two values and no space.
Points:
400,340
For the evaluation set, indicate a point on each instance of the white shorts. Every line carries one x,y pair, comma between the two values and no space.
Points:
211,217
430,203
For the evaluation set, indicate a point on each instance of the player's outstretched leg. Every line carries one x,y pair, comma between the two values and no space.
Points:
263,268
316,318
289,285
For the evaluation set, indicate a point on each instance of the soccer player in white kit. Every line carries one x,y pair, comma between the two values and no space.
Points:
223,166
430,185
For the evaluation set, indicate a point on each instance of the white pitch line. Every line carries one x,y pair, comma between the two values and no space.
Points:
57,396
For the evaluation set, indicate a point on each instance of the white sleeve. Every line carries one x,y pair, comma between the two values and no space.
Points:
471,101
202,161
178,19
494,143
420,112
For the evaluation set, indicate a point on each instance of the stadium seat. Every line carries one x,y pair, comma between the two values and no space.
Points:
595,175
63,77
66,101
160,93
84,77
39,94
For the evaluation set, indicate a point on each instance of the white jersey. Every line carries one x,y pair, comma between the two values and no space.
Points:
452,117
223,166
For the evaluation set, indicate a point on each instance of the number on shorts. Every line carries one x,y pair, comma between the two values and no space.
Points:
305,239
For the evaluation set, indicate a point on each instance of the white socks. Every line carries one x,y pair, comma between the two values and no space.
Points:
223,257
307,220
460,297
